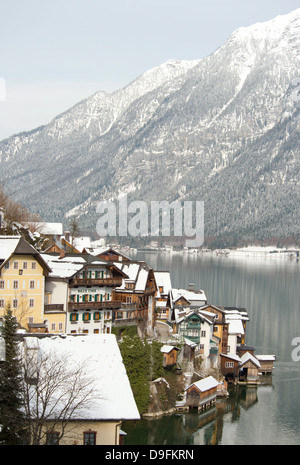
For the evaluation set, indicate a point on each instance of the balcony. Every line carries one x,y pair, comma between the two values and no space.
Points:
129,306
124,321
116,282
53,308
73,306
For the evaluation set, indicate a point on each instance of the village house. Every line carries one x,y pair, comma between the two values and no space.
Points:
57,290
99,420
236,319
87,285
53,232
22,282
137,295
169,355
68,244
163,283
220,326
182,298
244,369
92,305
196,326
107,253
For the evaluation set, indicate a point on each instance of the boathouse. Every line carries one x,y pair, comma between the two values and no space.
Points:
249,366
266,363
202,394
230,366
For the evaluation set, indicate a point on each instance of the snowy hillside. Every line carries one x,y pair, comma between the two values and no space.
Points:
224,129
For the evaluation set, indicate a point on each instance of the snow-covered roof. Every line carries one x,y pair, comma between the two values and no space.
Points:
163,279
234,357
266,358
205,384
137,273
8,245
190,343
112,398
17,245
65,267
81,243
190,296
235,327
235,320
141,281
246,357
101,250
182,315
50,229
166,349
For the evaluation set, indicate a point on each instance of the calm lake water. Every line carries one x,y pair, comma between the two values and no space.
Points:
269,288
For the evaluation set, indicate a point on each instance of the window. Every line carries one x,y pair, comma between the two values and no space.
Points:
73,317
16,265
97,316
2,303
86,317
16,284
203,333
60,326
2,284
6,266
31,303
25,265
53,327
32,284
52,439
15,303
33,265
129,285
89,438
229,364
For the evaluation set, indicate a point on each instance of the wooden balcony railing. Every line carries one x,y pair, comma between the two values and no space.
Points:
96,282
94,305
54,307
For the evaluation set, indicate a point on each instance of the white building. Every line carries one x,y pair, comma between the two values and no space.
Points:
99,420
84,286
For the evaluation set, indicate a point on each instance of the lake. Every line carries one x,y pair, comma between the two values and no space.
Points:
269,288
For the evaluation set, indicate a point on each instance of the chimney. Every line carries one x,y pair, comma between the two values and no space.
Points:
191,287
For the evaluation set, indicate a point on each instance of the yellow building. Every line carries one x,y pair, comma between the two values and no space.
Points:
22,282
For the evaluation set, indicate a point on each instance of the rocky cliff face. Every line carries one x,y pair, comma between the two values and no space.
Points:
224,130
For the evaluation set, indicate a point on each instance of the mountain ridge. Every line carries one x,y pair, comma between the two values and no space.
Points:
187,130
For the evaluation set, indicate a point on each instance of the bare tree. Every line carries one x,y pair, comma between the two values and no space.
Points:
74,229
55,390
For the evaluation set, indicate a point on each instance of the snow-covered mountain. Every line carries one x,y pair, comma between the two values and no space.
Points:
224,130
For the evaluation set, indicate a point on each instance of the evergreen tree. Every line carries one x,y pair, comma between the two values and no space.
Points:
11,417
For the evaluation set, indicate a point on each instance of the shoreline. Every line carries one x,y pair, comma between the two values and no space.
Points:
250,251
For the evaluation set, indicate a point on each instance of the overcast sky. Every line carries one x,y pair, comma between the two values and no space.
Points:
55,53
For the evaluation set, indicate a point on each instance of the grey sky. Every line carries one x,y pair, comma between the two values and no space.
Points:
53,54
